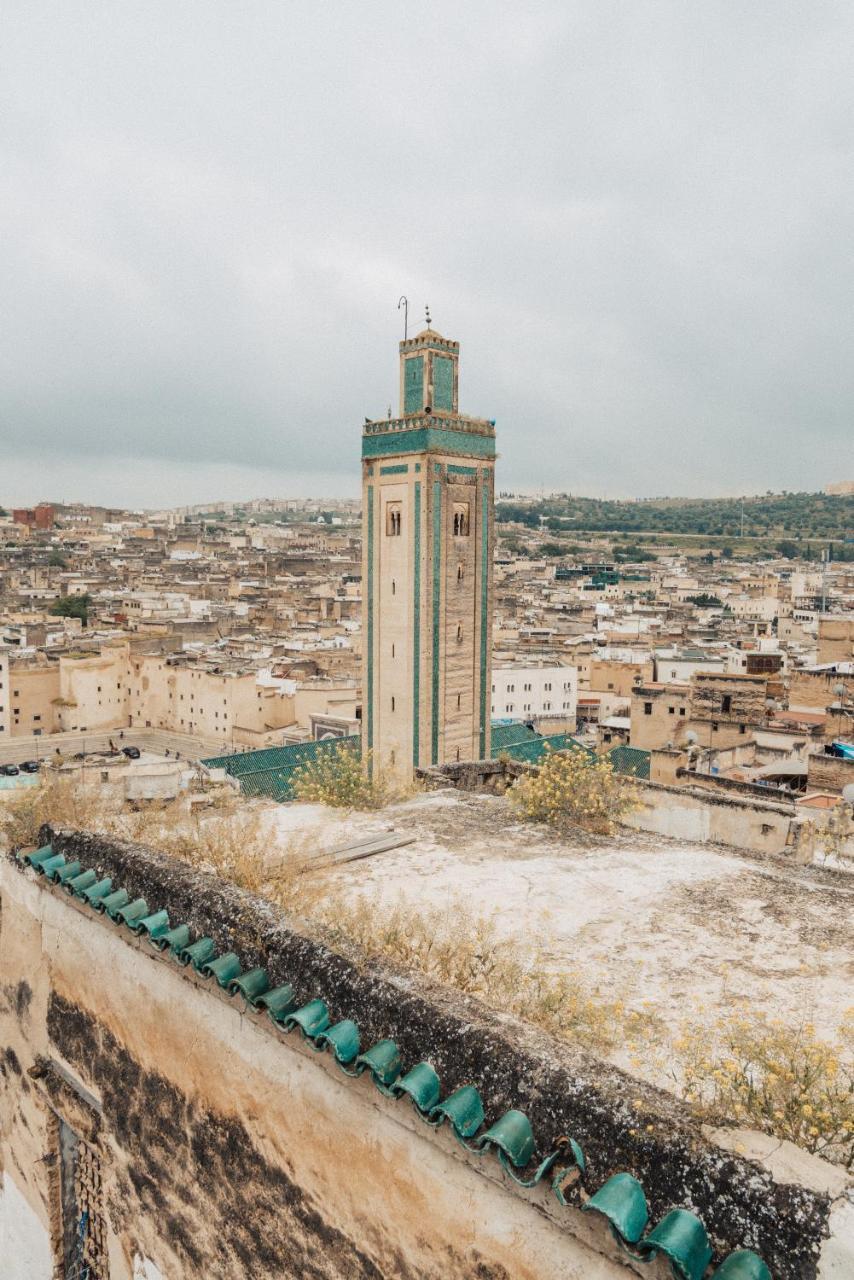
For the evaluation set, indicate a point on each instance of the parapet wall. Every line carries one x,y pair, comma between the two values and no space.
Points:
230,1149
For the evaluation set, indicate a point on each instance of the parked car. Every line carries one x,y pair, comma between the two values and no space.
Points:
132,753
30,766
9,770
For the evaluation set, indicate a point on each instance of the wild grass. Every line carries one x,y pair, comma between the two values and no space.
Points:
741,1068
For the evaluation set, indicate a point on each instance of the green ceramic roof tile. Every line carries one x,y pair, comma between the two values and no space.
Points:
421,1084
342,1039
631,760
154,925
383,1062
225,969
505,735
278,1002
513,1135
38,857
680,1236
250,985
52,865
174,940
131,912
311,1018
78,883
463,1108
96,892
68,872
197,954
621,1200
531,751
112,902
742,1265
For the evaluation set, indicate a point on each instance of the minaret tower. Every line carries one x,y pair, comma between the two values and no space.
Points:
427,502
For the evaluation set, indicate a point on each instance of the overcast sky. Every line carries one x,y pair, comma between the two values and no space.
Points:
635,217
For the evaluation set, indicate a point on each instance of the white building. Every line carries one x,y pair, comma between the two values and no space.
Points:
529,691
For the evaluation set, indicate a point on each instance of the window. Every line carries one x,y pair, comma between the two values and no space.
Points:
671,711
726,702
461,572
742,728
681,711
392,649
83,1241
458,701
393,517
392,702
393,587
459,633
647,708
461,519
715,726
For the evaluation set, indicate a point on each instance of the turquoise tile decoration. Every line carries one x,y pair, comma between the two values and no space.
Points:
413,384
443,383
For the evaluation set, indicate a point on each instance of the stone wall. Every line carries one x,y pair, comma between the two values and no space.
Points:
226,1149
828,773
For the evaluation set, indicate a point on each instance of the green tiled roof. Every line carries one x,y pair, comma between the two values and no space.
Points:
530,752
631,760
680,1237
269,772
504,735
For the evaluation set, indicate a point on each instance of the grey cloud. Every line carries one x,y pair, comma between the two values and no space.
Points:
636,219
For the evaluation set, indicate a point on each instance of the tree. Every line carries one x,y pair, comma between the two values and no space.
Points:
72,607
56,560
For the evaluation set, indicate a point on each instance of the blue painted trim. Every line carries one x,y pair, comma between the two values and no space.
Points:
453,469
399,470
416,631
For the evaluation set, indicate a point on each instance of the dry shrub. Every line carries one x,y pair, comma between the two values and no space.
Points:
766,1075
462,950
342,779
569,789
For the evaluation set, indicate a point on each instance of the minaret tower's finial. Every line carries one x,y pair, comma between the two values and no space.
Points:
427,312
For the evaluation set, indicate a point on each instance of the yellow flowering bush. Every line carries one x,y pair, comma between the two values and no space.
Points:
762,1074
569,789
340,778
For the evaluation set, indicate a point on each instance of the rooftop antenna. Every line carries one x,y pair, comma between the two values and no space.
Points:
403,301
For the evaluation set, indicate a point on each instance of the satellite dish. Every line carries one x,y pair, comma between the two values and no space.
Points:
848,793
691,737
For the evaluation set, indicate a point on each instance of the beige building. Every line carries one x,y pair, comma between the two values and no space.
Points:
427,484
659,715
836,639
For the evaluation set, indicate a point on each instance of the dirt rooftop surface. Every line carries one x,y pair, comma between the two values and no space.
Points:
674,929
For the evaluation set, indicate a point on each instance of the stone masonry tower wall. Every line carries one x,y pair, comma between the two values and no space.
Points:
428,494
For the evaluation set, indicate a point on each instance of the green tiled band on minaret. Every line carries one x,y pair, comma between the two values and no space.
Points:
427,560
369,639
485,620
436,611
416,630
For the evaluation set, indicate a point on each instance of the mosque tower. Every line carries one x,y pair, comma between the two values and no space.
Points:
428,531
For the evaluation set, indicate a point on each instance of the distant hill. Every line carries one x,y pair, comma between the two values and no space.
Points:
824,516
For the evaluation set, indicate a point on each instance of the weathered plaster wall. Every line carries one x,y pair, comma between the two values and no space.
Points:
232,1150
757,826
